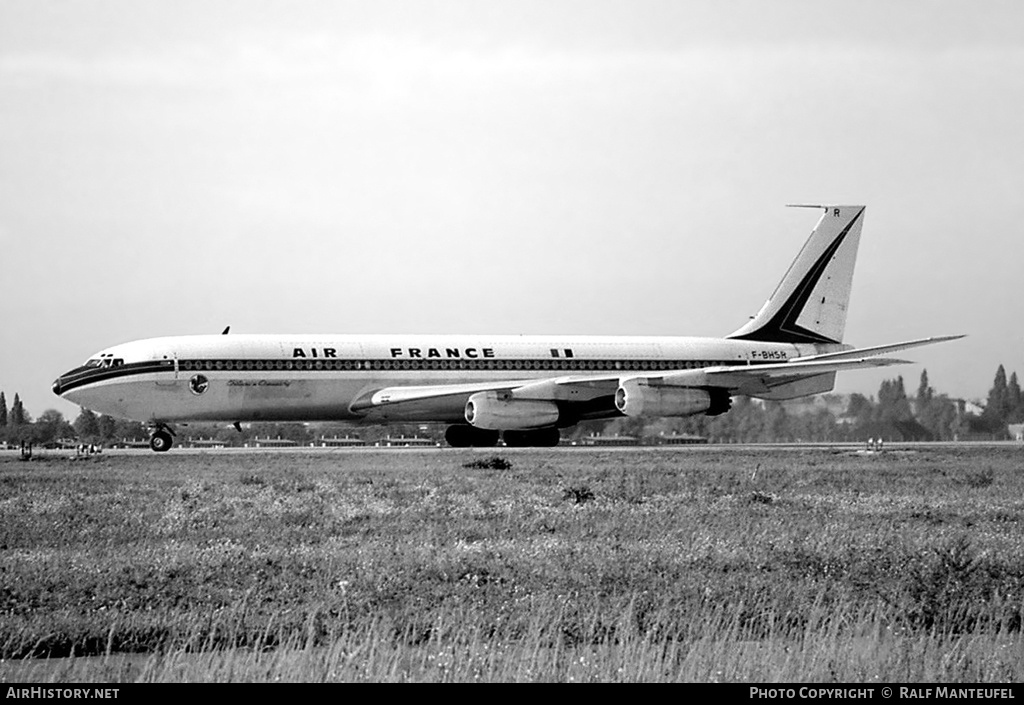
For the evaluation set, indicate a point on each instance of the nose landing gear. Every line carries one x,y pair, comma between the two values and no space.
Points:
161,438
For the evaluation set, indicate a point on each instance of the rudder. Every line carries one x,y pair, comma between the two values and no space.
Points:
809,305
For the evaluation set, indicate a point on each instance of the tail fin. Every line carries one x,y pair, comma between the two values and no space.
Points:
809,304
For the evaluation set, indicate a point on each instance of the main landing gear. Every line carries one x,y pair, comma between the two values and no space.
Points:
161,438
472,437
539,438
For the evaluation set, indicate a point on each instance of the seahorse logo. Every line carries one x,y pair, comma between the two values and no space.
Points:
198,384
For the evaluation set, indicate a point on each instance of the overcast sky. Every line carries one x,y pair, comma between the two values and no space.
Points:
504,167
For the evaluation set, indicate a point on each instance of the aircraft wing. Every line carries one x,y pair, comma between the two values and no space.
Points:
578,389
399,395
750,379
741,379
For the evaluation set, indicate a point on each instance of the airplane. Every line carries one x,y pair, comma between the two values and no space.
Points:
523,389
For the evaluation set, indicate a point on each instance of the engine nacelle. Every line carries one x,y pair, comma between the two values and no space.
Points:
634,398
489,410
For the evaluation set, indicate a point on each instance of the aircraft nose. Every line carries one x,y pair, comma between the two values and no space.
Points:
56,387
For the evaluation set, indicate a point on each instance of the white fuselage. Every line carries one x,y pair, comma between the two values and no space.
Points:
330,377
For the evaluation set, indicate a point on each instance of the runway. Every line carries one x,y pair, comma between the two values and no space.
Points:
53,454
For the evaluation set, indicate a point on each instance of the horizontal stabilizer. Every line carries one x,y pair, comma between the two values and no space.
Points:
811,367
876,350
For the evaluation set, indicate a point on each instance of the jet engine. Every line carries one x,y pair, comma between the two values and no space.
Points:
491,411
633,398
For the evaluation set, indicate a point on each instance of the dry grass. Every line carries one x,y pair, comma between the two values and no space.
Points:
646,565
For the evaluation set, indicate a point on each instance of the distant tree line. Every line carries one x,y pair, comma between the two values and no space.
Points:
1005,403
17,426
893,415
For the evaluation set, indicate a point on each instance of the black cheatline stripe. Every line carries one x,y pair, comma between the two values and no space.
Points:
187,368
392,365
782,328
83,376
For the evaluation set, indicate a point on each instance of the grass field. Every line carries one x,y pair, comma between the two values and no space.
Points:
688,564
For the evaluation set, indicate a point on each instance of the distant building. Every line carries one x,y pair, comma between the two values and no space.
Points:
900,431
597,440
972,407
206,443
272,443
835,404
335,442
1016,431
406,442
130,443
681,439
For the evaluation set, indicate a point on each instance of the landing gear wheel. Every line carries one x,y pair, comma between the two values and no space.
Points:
470,437
160,441
539,438
547,438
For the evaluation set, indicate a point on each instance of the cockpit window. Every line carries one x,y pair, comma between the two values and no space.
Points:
104,362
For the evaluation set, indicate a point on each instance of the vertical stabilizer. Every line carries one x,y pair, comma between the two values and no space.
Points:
809,304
